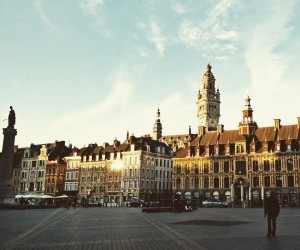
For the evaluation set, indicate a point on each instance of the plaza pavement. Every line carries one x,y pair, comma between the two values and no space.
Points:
130,228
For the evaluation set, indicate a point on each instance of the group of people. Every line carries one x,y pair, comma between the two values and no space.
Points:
69,202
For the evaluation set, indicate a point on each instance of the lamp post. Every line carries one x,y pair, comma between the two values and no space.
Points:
250,196
242,195
232,194
262,195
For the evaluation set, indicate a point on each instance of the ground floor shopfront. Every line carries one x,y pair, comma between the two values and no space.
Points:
241,195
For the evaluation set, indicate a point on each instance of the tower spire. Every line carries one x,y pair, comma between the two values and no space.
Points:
208,102
248,125
157,128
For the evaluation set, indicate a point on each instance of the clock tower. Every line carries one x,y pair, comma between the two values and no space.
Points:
208,102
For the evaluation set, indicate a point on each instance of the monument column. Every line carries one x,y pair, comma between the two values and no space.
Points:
7,195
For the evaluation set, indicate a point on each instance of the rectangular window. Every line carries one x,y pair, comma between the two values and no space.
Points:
255,181
267,181
24,175
290,181
255,166
266,165
216,167
278,165
23,185
196,169
226,182
240,167
33,164
226,167
278,181
41,174
216,182
196,182
205,169
39,186
206,182
289,164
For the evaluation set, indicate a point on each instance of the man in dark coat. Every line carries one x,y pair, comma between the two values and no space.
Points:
272,210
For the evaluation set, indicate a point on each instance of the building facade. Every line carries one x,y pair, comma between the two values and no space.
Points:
239,166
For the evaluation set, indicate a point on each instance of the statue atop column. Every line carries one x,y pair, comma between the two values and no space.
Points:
11,118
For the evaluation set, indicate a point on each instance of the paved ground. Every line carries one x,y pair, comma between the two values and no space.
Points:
130,228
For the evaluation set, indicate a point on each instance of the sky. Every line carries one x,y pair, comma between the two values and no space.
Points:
88,71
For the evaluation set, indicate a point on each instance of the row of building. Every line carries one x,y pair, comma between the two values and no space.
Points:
239,166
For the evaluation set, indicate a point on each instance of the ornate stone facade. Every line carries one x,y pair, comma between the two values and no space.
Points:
239,166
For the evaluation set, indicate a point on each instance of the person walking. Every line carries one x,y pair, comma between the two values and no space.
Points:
272,209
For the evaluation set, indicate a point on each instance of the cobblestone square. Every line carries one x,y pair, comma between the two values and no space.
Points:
130,228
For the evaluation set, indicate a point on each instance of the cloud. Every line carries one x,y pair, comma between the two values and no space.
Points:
119,96
267,67
178,8
155,37
91,7
210,34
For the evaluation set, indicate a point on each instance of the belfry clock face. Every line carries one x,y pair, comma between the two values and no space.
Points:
212,121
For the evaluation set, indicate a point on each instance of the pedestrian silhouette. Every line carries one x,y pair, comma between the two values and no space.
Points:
272,209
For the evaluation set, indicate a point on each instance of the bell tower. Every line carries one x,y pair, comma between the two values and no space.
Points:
248,125
157,128
208,102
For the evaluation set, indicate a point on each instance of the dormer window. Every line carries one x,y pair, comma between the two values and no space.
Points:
278,147
84,159
217,150
97,157
112,156
227,149
207,150
265,146
240,148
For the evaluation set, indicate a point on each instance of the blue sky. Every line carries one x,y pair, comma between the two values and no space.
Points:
88,71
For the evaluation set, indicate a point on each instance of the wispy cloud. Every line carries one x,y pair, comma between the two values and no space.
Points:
179,8
210,34
91,7
157,38
119,95
266,65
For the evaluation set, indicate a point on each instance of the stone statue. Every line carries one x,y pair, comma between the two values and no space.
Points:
11,118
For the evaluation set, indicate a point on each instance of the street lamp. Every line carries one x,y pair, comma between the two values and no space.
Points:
262,195
250,196
232,194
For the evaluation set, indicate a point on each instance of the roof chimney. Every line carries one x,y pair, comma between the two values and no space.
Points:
201,130
220,128
277,124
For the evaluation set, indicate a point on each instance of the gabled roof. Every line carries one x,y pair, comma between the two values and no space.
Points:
289,132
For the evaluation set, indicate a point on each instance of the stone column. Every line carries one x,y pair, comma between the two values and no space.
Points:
7,195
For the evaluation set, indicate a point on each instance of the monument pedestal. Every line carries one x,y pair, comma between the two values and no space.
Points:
7,195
